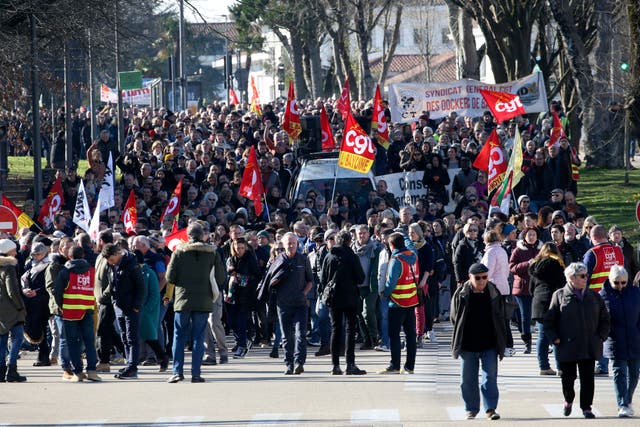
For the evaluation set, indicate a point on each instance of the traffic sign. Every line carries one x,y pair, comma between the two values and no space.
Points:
8,220
130,80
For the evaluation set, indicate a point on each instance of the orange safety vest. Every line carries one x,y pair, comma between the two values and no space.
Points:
78,296
607,255
405,294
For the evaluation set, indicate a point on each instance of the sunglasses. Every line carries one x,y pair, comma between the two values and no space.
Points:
484,277
620,283
582,276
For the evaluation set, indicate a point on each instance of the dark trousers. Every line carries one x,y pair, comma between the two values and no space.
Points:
107,336
405,319
238,319
585,367
337,339
129,327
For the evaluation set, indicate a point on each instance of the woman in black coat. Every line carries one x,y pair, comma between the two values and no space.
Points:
468,251
546,275
341,270
436,178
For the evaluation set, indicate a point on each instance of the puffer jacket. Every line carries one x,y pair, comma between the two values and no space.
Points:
624,310
545,277
12,310
495,259
189,270
519,265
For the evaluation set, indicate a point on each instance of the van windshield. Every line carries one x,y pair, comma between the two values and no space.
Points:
358,188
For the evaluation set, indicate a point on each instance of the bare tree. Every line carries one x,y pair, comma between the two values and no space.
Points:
467,58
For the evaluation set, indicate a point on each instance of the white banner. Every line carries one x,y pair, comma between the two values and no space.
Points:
133,97
82,212
408,101
407,187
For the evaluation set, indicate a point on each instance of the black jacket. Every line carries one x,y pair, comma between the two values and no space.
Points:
128,288
545,277
342,266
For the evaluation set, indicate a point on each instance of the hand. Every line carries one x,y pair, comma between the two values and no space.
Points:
556,341
165,301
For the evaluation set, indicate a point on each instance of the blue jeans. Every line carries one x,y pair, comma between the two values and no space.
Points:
405,319
181,322
314,333
65,359
384,320
324,324
238,318
542,348
129,331
77,333
524,303
625,379
162,339
293,322
470,364
603,364
16,341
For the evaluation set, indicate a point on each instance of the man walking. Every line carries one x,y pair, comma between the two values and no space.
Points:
479,335
191,272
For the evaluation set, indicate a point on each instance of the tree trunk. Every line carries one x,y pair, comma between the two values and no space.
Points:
315,67
388,55
469,66
363,36
298,69
633,96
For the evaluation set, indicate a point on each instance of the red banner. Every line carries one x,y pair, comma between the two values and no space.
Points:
52,204
328,142
379,120
491,159
233,98
291,122
503,106
251,185
130,214
557,131
343,104
175,239
173,207
356,151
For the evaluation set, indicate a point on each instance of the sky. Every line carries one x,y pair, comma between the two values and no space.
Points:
211,10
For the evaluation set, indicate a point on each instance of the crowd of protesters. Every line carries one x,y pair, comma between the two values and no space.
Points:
287,280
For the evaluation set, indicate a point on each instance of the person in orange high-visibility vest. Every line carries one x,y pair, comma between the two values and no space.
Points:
599,260
401,288
73,292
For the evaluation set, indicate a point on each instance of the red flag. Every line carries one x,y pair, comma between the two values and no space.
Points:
173,207
51,206
503,105
255,99
328,143
251,185
356,151
291,122
379,120
233,98
175,239
130,214
174,225
491,160
344,102
557,131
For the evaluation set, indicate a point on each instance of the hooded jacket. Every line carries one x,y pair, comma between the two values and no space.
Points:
545,277
12,309
519,265
342,267
128,288
189,270
78,266
623,342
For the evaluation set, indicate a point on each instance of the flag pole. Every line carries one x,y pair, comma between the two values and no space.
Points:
266,206
335,179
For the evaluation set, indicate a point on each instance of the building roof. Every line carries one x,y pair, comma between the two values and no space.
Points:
412,68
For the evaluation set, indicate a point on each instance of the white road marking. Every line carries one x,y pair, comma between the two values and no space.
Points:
375,415
275,418
180,420
457,412
83,423
556,409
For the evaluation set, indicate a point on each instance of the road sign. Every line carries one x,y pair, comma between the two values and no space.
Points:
8,220
130,80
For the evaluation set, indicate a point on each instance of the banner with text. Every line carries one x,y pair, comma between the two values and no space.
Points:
133,97
407,101
407,187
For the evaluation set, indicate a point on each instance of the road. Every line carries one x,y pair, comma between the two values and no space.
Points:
254,392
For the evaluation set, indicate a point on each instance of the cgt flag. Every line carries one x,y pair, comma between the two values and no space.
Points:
503,105
130,214
52,204
379,120
344,102
557,131
176,238
173,207
233,98
255,99
356,151
491,160
291,122
328,142
251,185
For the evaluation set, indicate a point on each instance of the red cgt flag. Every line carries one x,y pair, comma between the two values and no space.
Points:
130,214
328,143
503,105
251,185
379,120
491,160
233,98
557,131
176,238
173,207
344,102
52,204
291,122
356,151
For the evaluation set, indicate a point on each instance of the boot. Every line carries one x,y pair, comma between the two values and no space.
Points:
13,376
527,347
352,369
419,342
3,373
323,351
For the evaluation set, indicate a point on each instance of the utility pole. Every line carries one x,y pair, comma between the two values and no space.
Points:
183,80
91,93
35,116
67,106
118,90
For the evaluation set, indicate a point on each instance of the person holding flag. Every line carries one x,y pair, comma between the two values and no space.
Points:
251,185
52,204
291,123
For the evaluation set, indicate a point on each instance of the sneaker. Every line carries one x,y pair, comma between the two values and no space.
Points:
588,414
492,415
471,415
298,369
547,372
67,375
149,362
209,361
103,367
93,376
240,353
175,378
600,372
625,412
382,347
432,336
76,378
419,342
630,409
289,370
197,379
509,352
389,370
406,371
566,409
126,375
